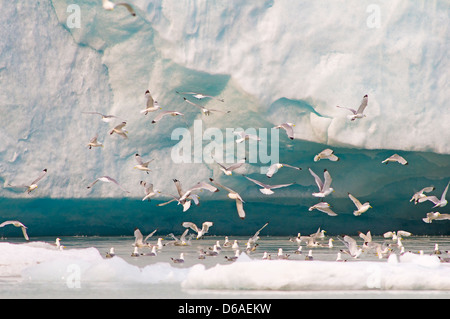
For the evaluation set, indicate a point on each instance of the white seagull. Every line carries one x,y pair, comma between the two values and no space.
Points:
178,260
148,190
244,136
267,189
324,187
105,118
288,127
395,158
164,113
361,208
233,195
359,113
118,129
275,167
200,96
420,194
326,154
142,166
16,223
205,110
107,179
350,243
151,104
437,202
323,207
139,240
397,234
108,5
34,185
228,170
435,216
200,232
94,142
252,240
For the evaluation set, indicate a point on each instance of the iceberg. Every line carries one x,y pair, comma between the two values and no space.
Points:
272,61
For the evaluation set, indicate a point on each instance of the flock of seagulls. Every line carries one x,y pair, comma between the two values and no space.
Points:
185,197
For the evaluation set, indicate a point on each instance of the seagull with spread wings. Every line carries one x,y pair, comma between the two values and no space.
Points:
233,195
109,5
288,127
200,96
107,179
358,114
16,223
205,111
267,189
324,187
200,232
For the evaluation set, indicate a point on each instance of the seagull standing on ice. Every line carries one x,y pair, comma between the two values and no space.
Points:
361,208
326,154
288,127
108,5
395,158
107,179
233,195
437,202
267,189
200,232
359,113
275,167
142,166
16,223
324,187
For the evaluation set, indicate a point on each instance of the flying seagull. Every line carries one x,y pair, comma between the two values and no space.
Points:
323,207
119,130
164,113
359,113
33,184
420,194
105,118
228,170
233,195
200,232
395,158
252,240
352,248
139,240
326,154
275,167
148,190
108,5
142,166
435,216
361,208
324,187
205,110
396,234
437,202
200,96
267,189
151,105
16,223
288,127
107,179
94,143
244,136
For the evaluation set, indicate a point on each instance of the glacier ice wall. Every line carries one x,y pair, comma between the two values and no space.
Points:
271,60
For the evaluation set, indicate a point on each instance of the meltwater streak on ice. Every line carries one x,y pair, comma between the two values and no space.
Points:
124,56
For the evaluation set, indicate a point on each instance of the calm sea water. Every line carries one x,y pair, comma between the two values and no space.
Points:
39,278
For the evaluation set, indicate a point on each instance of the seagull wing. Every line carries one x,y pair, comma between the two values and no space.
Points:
257,182
138,159
289,130
178,186
221,186
279,185
138,238
129,8
8,222
24,231
327,210
240,208
150,235
115,182
272,170
363,105
327,180
294,167
40,176
444,193
403,233
190,225
150,101
317,179
355,201
347,108
206,225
